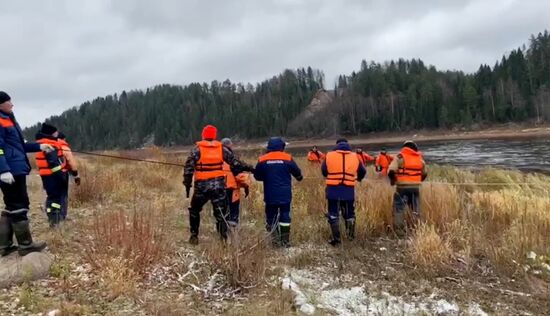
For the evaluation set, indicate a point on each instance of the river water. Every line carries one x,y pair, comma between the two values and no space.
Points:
532,155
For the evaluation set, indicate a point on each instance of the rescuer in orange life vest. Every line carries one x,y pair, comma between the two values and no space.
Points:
233,185
205,164
315,155
72,169
383,161
364,158
52,168
342,169
407,172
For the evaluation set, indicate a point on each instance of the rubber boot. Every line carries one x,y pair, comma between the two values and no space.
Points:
6,237
54,217
399,224
285,235
335,228
194,224
24,239
350,228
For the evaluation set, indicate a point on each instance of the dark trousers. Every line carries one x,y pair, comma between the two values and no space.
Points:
276,214
407,198
16,199
337,207
219,204
234,207
55,186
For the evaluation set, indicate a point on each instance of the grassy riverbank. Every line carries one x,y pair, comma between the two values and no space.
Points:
125,250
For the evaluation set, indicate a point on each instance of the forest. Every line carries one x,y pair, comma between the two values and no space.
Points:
400,95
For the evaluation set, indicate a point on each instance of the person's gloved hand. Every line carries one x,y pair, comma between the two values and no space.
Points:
187,191
46,148
77,180
7,177
246,192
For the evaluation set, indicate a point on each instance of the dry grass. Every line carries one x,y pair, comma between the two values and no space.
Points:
428,249
243,259
135,221
138,237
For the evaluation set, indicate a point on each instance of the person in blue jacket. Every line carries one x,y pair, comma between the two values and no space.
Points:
342,169
276,169
14,168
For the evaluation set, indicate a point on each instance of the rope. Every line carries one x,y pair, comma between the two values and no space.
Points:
128,158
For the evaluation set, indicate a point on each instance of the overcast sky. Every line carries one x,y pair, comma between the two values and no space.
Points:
56,54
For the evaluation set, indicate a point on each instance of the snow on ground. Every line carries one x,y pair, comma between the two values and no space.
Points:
314,290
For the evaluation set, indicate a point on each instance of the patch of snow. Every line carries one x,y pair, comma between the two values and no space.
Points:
475,310
355,301
532,255
300,299
445,308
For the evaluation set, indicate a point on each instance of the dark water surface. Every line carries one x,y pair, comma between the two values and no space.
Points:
524,154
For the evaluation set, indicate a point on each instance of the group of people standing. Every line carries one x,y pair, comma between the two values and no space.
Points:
54,161
213,167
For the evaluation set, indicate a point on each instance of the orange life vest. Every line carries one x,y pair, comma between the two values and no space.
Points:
44,167
364,157
411,170
384,161
315,156
276,155
210,164
230,181
342,168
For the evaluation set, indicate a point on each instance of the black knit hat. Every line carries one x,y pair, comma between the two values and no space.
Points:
48,129
412,145
4,97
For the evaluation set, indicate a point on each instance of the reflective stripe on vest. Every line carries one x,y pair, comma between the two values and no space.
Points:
342,168
411,170
44,168
210,164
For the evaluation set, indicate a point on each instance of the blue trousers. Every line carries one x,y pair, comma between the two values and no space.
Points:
337,207
276,214
55,186
234,207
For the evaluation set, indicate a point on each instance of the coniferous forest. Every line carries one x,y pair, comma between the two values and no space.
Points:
397,95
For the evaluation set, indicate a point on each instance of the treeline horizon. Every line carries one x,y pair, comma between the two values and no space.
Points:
400,95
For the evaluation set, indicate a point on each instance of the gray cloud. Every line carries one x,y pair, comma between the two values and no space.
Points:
58,54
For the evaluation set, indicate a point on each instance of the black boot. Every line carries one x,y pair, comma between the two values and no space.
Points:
350,228
24,238
6,237
285,235
335,228
54,217
194,224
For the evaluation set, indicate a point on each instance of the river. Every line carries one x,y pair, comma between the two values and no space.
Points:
530,155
